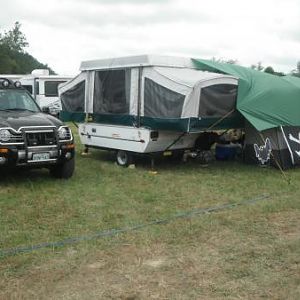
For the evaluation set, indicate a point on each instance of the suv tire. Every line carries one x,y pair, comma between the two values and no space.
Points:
64,170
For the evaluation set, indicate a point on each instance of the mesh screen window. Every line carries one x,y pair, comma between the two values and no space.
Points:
161,102
112,92
217,100
73,99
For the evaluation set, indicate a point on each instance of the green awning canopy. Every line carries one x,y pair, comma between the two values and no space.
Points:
265,100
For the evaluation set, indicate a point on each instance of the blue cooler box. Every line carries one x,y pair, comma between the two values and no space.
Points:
225,152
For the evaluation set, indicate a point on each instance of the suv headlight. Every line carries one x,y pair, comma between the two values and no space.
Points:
64,133
5,135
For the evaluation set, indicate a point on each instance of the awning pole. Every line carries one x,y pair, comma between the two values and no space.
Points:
139,102
221,119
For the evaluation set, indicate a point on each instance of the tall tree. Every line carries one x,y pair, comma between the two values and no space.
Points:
296,72
227,61
14,39
13,57
257,67
269,70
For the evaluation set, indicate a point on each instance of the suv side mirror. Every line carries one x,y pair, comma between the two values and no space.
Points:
46,109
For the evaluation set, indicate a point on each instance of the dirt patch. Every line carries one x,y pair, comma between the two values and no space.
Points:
155,263
97,265
286,230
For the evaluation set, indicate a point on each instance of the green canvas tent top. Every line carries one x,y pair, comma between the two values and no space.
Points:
271,107
265,100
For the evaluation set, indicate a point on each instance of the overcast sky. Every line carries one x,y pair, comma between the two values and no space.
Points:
62,33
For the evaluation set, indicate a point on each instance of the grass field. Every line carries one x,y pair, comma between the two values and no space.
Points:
248,252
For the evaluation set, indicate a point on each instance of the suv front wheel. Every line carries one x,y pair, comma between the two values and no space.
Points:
64,170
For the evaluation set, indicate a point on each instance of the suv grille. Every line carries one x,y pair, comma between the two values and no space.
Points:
16,138
42,138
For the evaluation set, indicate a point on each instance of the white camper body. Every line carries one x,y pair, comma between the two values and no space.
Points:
133,139
165,90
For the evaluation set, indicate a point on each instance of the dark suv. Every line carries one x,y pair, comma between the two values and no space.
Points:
29,137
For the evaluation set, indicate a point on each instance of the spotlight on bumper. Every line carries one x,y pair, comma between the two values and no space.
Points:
68,155
2,160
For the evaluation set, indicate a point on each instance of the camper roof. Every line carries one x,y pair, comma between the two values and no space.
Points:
136,61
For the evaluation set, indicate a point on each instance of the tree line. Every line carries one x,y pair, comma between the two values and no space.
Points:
15,60
259,67
13,57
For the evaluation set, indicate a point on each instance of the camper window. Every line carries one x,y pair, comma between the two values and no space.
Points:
217,100
112,92
37,88
161,102
73,100
51,88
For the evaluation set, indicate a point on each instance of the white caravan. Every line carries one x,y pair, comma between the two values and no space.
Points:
44,88
147,104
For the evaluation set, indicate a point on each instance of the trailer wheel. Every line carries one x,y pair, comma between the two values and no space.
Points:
124,158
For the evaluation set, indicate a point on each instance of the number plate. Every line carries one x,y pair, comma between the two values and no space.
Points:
167,153
40,156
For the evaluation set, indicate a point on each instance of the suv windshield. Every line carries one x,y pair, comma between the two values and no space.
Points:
11,99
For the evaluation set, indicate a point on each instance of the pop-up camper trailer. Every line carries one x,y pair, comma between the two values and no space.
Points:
149,104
